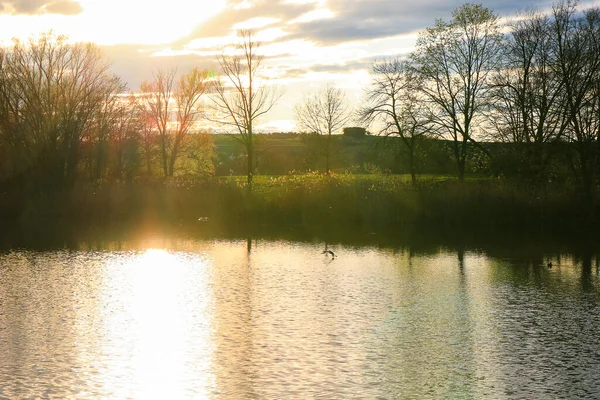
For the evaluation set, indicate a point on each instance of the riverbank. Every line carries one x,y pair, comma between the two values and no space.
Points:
348,202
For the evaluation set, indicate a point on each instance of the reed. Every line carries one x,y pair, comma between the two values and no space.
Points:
310,199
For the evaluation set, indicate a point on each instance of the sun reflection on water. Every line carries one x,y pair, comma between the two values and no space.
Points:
159,314
212,320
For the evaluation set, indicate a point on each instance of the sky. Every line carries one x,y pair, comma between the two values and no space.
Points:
306,43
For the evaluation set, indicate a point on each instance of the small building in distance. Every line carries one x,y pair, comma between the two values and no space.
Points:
355,132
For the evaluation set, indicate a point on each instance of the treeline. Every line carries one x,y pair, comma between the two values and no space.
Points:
536,87
65,117
301,153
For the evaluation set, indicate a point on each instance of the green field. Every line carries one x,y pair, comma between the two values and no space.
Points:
285,154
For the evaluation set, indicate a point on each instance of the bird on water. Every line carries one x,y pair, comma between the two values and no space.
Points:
326,252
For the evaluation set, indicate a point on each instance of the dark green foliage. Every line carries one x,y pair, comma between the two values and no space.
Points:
357,202
280,154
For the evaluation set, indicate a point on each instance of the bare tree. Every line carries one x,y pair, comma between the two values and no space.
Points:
51,94
173,107
393,106
148,138
124,136
240,97
454,60
158,103
113,139
323,113
527,92
576,37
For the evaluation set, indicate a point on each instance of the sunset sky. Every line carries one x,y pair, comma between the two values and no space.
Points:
307,43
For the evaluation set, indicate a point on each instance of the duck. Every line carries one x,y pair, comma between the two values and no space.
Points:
329,252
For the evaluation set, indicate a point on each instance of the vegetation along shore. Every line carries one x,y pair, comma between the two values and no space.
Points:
483,125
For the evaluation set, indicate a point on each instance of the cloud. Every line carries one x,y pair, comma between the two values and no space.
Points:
65,7
342,20
371,19
345,67
223,23
36,7
366,21
135,63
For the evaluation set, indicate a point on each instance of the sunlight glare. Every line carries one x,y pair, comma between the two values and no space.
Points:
319,2
321,13
279,125
215,43
111,22
165,318
270,34
255,23
242,5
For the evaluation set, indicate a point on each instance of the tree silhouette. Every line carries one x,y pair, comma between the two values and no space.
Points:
51,94
393,106
455,60
240,97
323,113
172,107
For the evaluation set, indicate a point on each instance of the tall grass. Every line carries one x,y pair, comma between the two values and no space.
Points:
354,201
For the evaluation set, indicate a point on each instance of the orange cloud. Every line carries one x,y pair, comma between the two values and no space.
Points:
36,7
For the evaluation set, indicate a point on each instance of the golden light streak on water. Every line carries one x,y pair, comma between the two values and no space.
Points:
226,320
164,316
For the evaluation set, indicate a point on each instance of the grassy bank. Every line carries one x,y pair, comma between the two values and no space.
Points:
354,209
355,201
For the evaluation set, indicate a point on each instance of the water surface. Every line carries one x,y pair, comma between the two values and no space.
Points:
277,319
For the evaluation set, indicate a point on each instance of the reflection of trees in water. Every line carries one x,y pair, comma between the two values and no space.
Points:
376,320
587,261
234,324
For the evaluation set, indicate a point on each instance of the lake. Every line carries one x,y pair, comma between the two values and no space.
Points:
231,318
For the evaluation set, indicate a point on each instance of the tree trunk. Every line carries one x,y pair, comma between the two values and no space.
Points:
250,151
461,169
164,158
459,150
327,151
462,159
172,162
411,161
148,158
